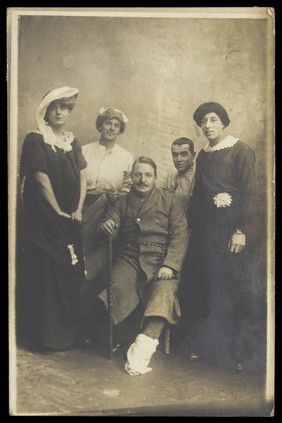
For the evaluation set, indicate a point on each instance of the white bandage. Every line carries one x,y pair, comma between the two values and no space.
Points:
139,355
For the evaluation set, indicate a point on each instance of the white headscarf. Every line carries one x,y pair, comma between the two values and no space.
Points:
111,113
43,126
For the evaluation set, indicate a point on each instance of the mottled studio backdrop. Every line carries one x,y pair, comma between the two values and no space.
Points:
156,70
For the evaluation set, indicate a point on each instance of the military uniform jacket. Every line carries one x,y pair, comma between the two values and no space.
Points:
161,230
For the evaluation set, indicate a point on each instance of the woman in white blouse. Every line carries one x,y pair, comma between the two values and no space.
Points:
108,178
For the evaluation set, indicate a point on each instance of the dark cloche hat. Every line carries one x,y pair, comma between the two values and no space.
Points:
210,107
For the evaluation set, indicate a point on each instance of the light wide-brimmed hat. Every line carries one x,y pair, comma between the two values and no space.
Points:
44,127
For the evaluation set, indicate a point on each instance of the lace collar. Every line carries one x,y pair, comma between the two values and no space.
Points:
49,138
227,142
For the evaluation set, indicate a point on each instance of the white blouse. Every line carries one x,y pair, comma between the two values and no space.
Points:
106,169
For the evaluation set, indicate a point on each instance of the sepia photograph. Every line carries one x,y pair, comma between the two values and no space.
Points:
141,207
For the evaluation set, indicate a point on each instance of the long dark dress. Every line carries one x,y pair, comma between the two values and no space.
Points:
53,275
219,301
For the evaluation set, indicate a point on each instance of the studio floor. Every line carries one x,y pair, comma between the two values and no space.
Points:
84,382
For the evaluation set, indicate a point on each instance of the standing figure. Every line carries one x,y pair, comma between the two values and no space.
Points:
53,191
152,235
220,215
181,181
108,178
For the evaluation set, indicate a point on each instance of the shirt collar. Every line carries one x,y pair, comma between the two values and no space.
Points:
112,150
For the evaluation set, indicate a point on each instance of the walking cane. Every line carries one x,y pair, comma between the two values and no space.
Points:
109,292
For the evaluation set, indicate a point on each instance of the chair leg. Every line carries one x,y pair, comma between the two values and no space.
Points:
167,340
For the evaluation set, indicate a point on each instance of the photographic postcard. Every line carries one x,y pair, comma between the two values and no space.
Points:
157,65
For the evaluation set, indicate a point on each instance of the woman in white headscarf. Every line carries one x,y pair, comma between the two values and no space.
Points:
53,191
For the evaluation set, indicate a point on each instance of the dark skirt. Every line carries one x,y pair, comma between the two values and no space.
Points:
218,292
51,297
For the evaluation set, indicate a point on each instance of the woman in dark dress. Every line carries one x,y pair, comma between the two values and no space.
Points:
220,217
53,191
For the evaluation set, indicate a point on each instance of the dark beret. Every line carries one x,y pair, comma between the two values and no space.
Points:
205,108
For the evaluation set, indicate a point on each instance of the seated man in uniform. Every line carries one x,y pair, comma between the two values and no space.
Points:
181,180
152,232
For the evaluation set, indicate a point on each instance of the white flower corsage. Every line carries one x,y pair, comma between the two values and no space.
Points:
223,199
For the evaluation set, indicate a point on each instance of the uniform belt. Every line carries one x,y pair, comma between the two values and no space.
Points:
154,244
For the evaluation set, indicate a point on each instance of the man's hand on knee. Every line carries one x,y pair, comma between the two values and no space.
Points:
165,273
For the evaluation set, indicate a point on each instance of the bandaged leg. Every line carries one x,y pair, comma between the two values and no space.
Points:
139,355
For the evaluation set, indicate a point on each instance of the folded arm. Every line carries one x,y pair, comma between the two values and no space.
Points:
48,193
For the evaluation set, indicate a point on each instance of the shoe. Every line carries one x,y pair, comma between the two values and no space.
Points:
239,367
118,350
194,357
83,343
